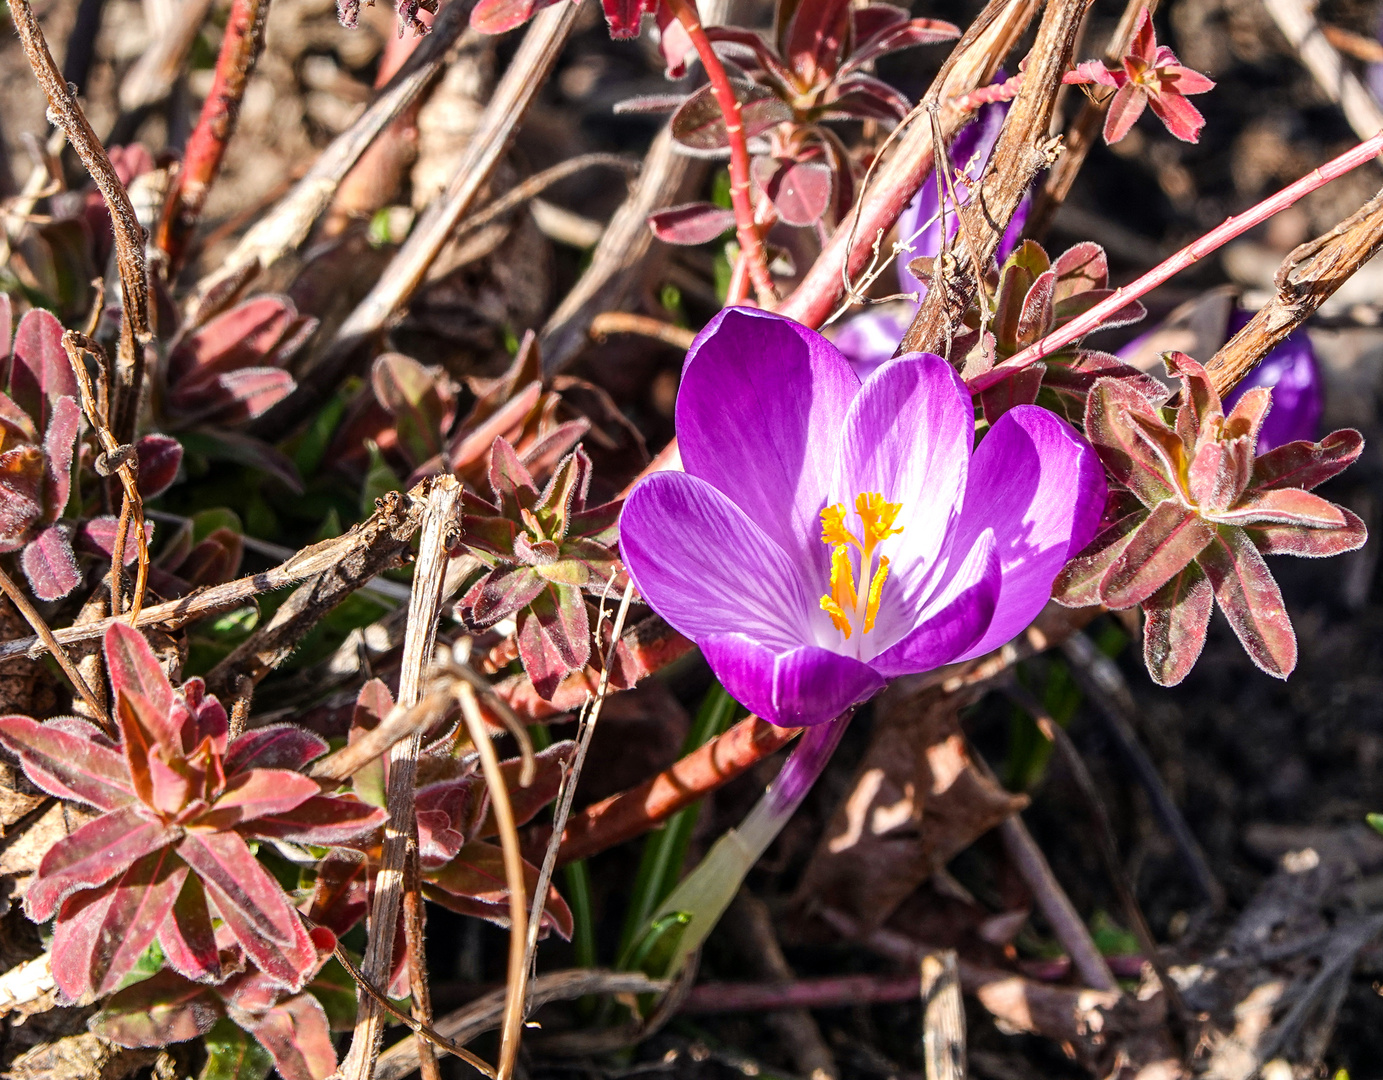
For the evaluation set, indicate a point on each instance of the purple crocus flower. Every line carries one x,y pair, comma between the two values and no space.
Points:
1294,377
830,534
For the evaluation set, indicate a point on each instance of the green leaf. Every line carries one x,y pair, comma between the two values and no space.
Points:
233,1055
1376,820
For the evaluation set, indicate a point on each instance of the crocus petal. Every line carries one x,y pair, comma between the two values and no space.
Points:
760,396
908,437
957,619
704,566
871,338
1040,487
794,688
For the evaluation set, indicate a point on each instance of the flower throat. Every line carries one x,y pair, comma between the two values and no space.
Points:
849,607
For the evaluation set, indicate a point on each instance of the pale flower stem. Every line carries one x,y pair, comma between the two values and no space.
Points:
706,892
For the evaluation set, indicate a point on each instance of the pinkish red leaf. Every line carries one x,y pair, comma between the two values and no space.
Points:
1126,454
1308,541
1176,618
241,337
296,1033
551,765
97,852
1285,506
50,565
232,396
257,793
1168,539
474,883
499,594
138,906
143,696
501,16
1307,465
58,442
277,746
6,326
691,223
97,536
1182,118
324,820
39,371
1200,412
159,459
420,401
164,1009
1250,599
252,904
1246,418
1020,388
812,35
799,190
1125,108
67,764
863,97
698,125
1078,584
187,937
339,892
892,37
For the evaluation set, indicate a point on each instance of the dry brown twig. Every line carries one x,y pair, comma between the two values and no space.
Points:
943,1017
34,619
64,112
440,522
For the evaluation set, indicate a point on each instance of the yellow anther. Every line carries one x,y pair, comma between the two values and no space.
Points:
877,516
833,530
876,590
838,617
842,578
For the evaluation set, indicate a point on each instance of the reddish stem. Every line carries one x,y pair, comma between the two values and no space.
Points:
240,48
1220,235
987,95
746,231
631,813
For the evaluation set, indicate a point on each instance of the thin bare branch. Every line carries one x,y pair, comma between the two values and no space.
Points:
34,619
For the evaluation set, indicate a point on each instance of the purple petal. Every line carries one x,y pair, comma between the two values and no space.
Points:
1040,487
871,338
956,619
908,436
759,411
706,568
795,688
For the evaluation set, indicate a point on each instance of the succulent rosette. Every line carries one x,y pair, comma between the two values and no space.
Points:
1293,375
829,534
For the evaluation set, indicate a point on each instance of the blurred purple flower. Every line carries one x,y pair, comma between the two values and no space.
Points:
828,535
870,338
1291,372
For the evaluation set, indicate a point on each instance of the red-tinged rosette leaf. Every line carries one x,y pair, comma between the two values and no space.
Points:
1035,315
1124,452
1308,541
501,16
1163,442
93,855
163,1009
1212,479
6,326
324,820
39,371
1093,71
551,765
239,338
1075,306
159,459
747,46
1176,618
561,620
911,33
1249,597
420,401
1200,412
653,104
622,16
1181,118
1078,584
143,702
1286,506
277,746
1169,538
96,536
1079,269
66,764
257,793
863,97
541,661
137,907
339,894
296,1033
447,813
1125,108
691,223
252,905
699,127
799,190
499,594
474,884
813,37
231,396
50,565
1246,418
21,494
1020,388
509,479
58,442
187,937
1304,464
1077,377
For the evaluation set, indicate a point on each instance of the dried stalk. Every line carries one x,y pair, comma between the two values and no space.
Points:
240,49
376,540
440,522
1305,280
746,228
1083,132
132,508
620,322
1192,253
1024,148
486,1013
943,1017
614,273
64,112
1298,24
34,619
287,225
971,64
512,1028
527,73
151,78
571,777
401,723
